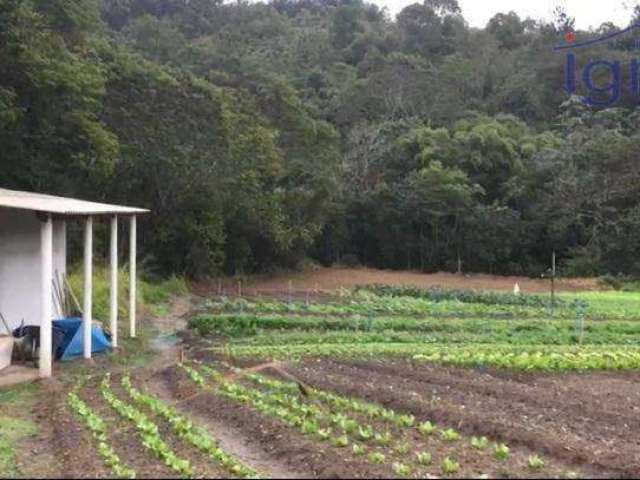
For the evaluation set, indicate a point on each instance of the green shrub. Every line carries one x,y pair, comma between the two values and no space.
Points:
583,263
149,294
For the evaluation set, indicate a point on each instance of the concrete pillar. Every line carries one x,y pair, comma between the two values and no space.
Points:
46,258
132,276
114,282
88,287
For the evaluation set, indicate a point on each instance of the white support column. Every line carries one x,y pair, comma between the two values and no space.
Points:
46,257
114,282
132,276
88,287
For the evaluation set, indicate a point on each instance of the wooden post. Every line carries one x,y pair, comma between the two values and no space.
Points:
46,270
114,282
553,279
88,287
132,276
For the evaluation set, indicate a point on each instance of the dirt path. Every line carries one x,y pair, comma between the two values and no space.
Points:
167,345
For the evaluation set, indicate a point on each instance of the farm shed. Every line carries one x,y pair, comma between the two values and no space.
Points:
33,246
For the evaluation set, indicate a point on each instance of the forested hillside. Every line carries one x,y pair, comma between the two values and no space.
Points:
264,134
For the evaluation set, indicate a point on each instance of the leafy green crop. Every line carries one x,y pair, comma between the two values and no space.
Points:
535,462
424,458
549,358
449,435
501,451
148,431
365,433
427,428
99,430
401,469
382,439
377,457
464,296
341,442
188,432
479,443
406,420
358,449
450,466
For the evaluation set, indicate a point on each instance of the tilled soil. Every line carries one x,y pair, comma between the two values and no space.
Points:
231,439
473,462
203,466
582,423
124,438
586,420
325,280
289,450
74,445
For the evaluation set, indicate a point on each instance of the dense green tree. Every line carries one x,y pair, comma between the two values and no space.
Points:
262,133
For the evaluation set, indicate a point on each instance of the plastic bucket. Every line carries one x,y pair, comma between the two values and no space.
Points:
6,349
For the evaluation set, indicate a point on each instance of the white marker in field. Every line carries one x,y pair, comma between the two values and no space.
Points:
516,289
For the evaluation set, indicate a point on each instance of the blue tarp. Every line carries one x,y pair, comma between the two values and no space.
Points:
71,346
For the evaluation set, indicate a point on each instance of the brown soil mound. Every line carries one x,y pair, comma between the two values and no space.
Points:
326,280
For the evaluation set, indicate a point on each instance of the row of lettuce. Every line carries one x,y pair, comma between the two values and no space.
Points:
274,329
521,357
144,412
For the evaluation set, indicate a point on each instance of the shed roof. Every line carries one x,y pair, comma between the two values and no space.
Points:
38,202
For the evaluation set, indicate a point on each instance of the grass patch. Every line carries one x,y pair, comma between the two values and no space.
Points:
13,428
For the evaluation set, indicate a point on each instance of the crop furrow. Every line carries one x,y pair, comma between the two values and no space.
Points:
184,428
99,430
147,430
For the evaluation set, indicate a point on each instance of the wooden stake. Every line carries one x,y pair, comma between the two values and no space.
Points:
553,279
6,325
73,295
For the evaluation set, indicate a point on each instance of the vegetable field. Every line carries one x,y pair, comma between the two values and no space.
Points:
438,382
374,383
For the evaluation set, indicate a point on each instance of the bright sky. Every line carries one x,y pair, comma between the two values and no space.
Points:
588,13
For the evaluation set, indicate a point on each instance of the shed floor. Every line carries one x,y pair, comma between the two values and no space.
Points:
16,374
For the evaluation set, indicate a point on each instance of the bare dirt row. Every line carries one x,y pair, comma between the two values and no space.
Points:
587,421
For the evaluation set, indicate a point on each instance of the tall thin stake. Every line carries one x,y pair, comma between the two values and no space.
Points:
553,282
4,322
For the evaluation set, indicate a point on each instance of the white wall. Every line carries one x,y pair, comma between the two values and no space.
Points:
20,264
